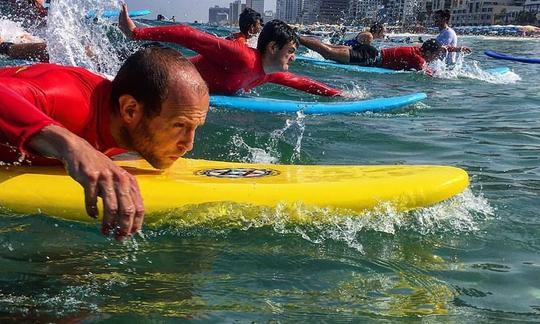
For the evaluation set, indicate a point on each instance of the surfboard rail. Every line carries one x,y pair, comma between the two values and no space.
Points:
191,182
259,104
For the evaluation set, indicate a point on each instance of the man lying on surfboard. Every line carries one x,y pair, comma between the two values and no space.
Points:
228,66
394,58
153,107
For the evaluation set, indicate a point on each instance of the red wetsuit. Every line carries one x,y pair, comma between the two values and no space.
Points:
403,58
237,37
36,96
228,66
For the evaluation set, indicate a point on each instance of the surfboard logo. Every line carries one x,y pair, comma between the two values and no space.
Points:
236,173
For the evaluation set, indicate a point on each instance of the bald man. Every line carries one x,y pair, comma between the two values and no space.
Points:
55,114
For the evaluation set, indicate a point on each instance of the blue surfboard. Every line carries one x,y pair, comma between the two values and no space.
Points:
116,13
314,108
501,56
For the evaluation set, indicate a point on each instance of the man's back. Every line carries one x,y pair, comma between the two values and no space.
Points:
32,97
226,66
402,58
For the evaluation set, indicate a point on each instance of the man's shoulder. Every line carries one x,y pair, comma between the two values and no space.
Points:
69,77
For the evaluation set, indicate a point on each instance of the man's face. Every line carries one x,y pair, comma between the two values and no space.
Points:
282,57
439,20
163,139
431,56
255,29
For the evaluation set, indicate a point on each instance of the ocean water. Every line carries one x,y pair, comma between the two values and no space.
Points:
475,257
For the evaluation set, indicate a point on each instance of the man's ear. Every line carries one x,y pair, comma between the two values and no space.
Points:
130,110
272,47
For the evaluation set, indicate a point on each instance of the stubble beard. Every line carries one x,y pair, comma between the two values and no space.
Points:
143,142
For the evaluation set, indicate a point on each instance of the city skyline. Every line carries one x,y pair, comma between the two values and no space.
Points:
185,10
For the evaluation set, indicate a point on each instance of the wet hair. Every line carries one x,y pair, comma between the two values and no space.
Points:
146,76
248,18
445,14
376,28
276,31
431,45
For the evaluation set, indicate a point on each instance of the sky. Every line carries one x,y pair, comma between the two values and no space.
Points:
186,10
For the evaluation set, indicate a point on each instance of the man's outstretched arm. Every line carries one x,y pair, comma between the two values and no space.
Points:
220,51
303,84
458,49
27,127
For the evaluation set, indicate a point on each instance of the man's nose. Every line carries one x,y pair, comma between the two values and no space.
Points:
186,142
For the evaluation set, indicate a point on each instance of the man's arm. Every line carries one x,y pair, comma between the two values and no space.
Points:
458,49
220,51
26,126
303,84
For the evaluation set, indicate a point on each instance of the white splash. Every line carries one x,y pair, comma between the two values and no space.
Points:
78,40
13,32
471,69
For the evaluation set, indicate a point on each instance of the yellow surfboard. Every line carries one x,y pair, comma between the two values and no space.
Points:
191,182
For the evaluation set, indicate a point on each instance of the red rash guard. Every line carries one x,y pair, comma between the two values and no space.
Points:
237,37
36,96
228,66
403,58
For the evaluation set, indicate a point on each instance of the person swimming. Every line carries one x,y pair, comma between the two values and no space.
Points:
396,58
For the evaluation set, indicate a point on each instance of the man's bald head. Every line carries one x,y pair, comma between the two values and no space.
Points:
152,73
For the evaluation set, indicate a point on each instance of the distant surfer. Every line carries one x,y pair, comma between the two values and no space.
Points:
228,66
54,114
394,58
376,31
250,23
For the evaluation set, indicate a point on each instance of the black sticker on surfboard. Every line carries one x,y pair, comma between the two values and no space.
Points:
237,173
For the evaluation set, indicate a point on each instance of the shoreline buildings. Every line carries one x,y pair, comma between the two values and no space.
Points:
393,12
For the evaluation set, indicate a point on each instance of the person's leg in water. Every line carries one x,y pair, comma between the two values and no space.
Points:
338,53
30,51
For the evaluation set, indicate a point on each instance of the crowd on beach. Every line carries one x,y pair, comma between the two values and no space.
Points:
58,114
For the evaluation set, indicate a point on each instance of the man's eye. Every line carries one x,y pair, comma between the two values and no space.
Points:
179,125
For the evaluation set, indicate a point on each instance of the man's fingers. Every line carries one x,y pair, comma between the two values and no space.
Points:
110,204
126,206
90,196
139,206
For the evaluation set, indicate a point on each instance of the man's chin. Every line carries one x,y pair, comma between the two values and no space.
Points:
160,163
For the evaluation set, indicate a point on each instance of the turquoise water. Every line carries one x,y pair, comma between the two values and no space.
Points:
474,258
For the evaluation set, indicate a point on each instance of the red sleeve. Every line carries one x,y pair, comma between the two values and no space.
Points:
302,83
19,118
419,63
221,51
